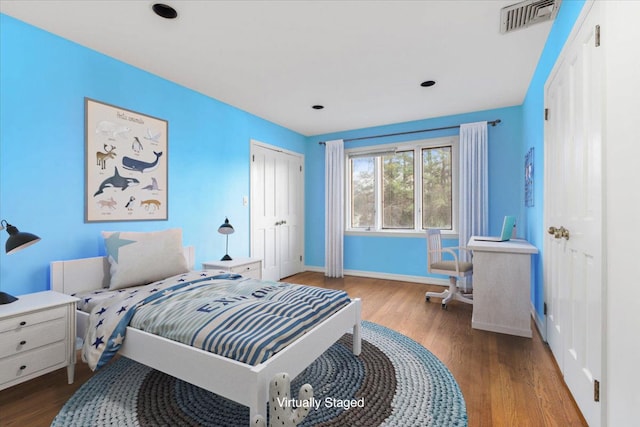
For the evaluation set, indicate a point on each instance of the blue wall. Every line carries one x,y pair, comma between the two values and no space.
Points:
43,81
533,135
407,255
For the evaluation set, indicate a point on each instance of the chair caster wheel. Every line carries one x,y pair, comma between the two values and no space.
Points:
444,306
427,299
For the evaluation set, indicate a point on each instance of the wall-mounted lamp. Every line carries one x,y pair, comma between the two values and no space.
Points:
17,241
226,229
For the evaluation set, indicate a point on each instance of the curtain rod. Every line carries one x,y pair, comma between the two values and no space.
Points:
492,123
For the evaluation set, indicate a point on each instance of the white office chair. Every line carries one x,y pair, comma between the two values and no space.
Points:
454,269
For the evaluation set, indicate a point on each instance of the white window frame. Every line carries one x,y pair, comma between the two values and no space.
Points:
416,146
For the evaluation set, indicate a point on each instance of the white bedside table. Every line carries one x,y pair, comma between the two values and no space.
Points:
37,336
248,267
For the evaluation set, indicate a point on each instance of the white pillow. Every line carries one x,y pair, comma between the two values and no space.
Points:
140,258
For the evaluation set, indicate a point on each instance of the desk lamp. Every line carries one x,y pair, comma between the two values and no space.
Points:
17,241
226,229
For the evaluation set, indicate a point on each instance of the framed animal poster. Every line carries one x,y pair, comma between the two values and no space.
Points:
125,164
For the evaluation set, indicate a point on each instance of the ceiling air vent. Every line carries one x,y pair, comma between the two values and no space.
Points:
525,13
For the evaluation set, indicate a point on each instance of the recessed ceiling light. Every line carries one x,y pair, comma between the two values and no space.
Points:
318,107
164,11
427,83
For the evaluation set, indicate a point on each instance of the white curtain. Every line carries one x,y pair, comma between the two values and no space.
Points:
474,186
334,208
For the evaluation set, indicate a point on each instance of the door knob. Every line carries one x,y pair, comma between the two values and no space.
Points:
559,233
555,231
564,233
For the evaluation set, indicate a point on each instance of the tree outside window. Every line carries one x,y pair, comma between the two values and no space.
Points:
436,188
363,192
398,192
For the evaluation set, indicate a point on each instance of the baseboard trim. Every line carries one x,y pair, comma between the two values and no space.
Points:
540,323
387,276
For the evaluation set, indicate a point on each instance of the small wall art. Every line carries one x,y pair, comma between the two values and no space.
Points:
125,164
528,178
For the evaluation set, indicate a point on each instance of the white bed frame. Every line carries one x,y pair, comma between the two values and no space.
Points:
240,382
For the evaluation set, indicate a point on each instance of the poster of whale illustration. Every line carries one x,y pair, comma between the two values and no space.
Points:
125,164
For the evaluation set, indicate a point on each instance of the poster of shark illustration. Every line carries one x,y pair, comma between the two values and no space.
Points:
124,148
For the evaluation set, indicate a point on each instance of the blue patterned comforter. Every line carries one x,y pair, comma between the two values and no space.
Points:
244,319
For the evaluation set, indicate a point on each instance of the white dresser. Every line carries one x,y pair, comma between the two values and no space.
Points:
37,336
248,267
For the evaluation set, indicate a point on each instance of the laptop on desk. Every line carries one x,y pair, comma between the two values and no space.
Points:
507,231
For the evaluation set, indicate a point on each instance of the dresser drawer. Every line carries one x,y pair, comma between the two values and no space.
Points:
249,270
37,334
32,318
29,337
24,364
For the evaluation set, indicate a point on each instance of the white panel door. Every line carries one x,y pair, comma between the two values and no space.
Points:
276,211
573,272
263,211
290,189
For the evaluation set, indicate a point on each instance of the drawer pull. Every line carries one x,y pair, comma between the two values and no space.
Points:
23,323
23,367
23,342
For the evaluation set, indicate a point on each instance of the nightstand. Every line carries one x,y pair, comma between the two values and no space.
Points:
248,267
37,336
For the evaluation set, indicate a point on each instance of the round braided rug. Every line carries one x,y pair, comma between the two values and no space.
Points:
399,382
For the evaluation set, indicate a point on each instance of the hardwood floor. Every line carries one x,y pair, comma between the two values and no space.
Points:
505,380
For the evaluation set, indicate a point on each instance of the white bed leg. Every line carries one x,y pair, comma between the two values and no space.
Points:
357,340
259,406
357,343
253,416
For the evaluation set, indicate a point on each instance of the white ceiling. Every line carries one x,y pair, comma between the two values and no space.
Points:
363,60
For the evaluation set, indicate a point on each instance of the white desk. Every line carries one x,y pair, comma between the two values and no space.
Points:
502,286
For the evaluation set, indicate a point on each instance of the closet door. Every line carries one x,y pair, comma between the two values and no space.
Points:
290,190
573,262
276,210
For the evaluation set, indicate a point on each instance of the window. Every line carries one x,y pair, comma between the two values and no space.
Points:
403,188
437,200
363,205
398,195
